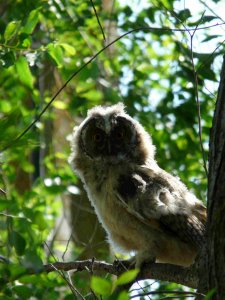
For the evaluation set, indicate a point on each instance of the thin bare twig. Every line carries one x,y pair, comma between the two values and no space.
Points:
92,59
197,98
55,233
210,9
210,56
72,288
99,23
184,293
61,273
176,297
2,191
67,246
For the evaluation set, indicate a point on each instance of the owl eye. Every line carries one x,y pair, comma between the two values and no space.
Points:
97,137
120,135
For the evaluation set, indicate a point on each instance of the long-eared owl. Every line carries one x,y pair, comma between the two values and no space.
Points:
142,207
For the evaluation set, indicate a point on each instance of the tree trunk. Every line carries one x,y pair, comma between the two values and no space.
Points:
215,254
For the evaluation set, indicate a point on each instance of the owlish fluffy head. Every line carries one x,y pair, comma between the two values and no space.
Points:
110,135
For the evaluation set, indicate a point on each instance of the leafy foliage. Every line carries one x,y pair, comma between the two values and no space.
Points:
42,43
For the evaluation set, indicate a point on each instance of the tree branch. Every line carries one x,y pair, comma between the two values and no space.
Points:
167,272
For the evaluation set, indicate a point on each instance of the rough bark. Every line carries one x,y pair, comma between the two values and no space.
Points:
156,271
214,275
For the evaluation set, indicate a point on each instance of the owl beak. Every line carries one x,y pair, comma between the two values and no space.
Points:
107,126
108,147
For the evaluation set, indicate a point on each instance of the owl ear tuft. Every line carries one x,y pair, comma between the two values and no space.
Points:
118,108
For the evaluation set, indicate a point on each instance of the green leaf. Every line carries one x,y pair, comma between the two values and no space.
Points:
40,220
123,296
32,261
23,291
24,72
101,286
210,37
32,21
210,294
93,95
127,277
16,270
11,30
18,242
69,49
206,19
60,104
3,203
55,52
7,59
184,14
24,41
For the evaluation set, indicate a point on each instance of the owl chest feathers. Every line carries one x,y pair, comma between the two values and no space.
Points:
120,189
104,189
129,204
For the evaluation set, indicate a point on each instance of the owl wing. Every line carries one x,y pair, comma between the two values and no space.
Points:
155,198
187,228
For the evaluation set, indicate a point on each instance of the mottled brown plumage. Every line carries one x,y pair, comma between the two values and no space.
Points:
142,208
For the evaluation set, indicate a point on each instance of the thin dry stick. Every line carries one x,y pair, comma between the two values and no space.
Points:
93,58
210,9
67,246
181,293
210,56
196,82
99,23
197,99
61,273
52,240
176,297
2,191
72,288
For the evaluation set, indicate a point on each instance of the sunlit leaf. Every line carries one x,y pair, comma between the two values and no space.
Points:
24,72
101,286
123,296
39,220
31,22
60,104
55,52
11,30
69,49
127,277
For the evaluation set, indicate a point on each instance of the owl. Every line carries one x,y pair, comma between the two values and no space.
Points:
143,209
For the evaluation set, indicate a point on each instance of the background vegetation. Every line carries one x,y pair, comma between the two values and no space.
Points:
168,80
